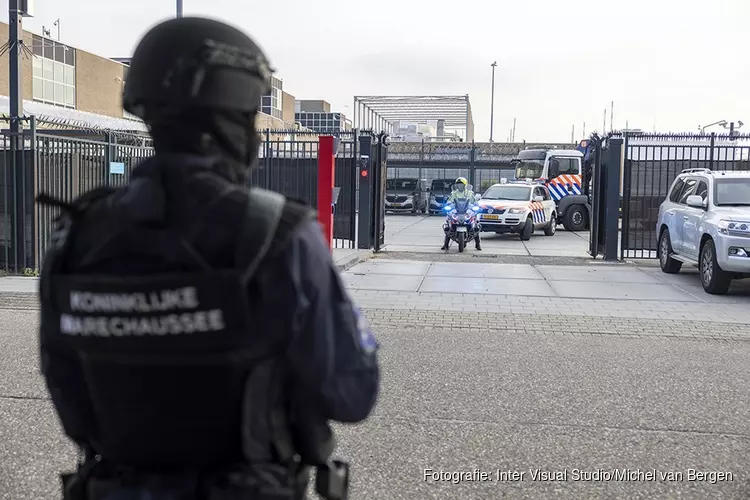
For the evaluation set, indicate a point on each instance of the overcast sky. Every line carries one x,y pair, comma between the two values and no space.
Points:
669,64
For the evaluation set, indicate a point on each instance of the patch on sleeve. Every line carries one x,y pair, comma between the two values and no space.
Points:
367,340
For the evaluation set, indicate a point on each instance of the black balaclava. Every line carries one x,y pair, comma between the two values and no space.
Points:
230,137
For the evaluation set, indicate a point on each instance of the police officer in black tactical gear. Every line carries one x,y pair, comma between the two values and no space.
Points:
196,338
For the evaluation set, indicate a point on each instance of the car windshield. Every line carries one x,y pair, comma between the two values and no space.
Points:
732,192
514,193
401,185
529,169
441,186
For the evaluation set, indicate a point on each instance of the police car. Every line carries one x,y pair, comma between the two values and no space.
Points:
517,207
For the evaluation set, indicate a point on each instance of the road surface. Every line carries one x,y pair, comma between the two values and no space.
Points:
495,367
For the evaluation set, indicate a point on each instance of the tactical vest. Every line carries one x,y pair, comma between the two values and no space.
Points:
144,338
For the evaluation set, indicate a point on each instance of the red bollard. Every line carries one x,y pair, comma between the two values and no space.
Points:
326,165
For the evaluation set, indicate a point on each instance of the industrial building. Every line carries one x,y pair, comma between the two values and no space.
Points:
317,115
66,85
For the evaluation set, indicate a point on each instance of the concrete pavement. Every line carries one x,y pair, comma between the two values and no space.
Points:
514,363
561,368
584,290
424,234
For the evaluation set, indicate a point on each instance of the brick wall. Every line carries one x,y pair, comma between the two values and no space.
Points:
287,107
98,80
99,83
26,65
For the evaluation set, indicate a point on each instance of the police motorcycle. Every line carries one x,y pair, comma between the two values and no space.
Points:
461,223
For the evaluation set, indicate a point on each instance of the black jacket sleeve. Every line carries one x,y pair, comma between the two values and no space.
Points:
333,351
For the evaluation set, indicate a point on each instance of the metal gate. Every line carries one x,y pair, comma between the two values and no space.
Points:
651,162
595,190
289,165
373,175
380,164
601,182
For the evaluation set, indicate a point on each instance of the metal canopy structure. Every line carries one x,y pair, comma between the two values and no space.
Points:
379,113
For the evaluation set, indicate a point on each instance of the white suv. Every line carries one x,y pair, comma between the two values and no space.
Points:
705,222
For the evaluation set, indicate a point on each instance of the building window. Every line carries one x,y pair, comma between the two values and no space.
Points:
54,73
272,104
321,122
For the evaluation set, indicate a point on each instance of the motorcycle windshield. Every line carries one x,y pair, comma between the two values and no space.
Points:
462,205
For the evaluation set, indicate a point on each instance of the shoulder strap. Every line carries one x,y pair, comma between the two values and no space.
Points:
271,218
61,236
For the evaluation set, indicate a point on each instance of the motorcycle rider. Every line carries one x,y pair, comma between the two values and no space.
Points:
195,336
461,192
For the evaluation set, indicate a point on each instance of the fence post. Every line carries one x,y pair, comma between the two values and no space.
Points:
711,152
267,157
19,240
326,165
36,247
365,230
108,158
626,191
472,167
612,199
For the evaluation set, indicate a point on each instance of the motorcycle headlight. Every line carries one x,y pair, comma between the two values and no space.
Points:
516,211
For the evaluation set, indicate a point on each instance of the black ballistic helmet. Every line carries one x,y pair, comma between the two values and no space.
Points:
196,64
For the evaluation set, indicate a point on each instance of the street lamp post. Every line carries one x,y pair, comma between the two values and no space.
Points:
492,103
16,99
723,123
179,8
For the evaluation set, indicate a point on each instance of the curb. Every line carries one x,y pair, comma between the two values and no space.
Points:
349,262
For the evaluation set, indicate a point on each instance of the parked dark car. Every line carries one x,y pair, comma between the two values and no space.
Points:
406,195
440,190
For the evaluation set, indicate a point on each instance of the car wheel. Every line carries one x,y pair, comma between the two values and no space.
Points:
715,280
552,226
527,230
575,218
667,263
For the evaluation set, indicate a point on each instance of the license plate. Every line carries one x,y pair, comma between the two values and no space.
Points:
461,229
396,204
490,217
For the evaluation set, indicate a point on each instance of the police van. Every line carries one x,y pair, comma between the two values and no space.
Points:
560,170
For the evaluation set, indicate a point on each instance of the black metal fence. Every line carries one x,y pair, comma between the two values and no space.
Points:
68,163
651,162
